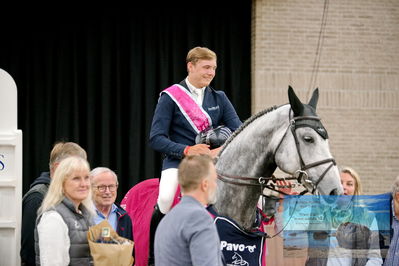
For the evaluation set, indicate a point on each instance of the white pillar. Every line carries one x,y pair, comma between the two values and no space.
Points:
10,173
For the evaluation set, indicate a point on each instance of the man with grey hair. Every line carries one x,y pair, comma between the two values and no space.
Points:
187,234
104,182
392,258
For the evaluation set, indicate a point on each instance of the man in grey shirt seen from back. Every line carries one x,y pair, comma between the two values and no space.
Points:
187,234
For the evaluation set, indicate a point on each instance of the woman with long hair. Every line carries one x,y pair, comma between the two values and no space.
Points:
350,181
65,216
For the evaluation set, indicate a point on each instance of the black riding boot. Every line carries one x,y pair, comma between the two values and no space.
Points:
157,216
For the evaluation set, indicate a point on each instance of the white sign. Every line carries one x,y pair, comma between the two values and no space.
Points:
10,173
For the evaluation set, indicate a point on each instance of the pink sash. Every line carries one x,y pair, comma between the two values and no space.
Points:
195,115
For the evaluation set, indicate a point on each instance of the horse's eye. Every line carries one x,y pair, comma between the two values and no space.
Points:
308,139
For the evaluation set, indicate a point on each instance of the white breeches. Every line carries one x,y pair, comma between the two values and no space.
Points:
167,189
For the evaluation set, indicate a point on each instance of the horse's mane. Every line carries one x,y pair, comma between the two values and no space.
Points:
245,124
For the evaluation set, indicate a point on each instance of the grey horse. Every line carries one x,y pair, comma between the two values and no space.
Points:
290,137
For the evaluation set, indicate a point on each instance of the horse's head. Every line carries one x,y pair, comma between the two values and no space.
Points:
304,150
292,139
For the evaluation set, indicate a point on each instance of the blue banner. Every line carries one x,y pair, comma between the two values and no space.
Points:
337,222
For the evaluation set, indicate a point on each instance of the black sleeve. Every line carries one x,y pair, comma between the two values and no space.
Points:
30,205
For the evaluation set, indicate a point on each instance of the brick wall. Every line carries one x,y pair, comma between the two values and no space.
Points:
357,75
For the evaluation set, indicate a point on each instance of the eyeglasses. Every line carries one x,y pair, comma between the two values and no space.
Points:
103,188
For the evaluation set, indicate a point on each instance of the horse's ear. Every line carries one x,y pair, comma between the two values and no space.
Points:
315,98
296,105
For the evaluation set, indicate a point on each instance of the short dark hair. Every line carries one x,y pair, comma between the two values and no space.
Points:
192,170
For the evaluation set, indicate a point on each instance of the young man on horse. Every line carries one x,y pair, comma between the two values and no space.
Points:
185,112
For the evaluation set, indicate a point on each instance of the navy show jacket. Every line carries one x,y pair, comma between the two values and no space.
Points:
171,132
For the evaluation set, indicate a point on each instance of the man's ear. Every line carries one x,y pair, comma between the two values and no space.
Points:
190,66
204,184
53,167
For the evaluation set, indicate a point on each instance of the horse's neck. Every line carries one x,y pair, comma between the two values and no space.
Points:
250,154
238,203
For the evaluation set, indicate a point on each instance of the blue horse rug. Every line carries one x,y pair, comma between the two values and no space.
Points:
240,247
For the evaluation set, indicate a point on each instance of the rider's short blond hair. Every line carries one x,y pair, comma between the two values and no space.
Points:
200,53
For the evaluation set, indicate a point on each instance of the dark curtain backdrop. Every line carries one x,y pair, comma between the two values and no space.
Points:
93,76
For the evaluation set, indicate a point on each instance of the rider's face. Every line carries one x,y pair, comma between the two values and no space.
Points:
201,73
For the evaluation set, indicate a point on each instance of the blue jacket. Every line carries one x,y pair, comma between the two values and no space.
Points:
124,228
30,204
171,132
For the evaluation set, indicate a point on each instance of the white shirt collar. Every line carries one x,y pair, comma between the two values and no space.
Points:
192,88
197,93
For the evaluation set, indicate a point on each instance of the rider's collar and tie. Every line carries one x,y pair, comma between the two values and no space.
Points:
198,93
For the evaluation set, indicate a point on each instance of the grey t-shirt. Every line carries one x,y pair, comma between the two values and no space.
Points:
187,236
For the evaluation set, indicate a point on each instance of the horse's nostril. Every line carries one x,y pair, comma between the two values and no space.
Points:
334,192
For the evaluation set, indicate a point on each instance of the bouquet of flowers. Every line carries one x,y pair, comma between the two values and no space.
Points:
108,248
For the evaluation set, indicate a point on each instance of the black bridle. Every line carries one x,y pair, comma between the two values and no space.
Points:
300,175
